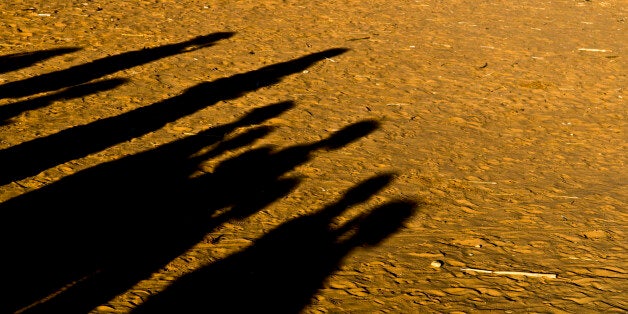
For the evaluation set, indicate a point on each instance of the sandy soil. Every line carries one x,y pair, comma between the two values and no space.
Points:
292,156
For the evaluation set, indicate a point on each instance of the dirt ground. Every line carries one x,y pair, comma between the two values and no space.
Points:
184,156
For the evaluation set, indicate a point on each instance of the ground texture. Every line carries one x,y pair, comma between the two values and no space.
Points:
313,156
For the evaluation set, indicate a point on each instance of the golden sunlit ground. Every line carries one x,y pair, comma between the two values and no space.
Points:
180,156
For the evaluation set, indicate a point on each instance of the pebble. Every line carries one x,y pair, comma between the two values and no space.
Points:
437,264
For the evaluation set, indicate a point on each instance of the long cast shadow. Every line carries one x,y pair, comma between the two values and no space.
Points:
283,270
78,242
98,68
14,109
30,158
17,61
102,206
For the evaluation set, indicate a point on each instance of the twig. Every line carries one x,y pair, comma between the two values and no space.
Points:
593,50
56,293
483,182
516,273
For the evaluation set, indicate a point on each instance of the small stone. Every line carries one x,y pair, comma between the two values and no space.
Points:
437,264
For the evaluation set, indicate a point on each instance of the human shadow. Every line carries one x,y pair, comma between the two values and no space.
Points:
30,158
14,109
17,61
78,242
108,65
101,206
283,270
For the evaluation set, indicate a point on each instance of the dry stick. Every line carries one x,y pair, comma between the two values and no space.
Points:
518,273
593,50
54,294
